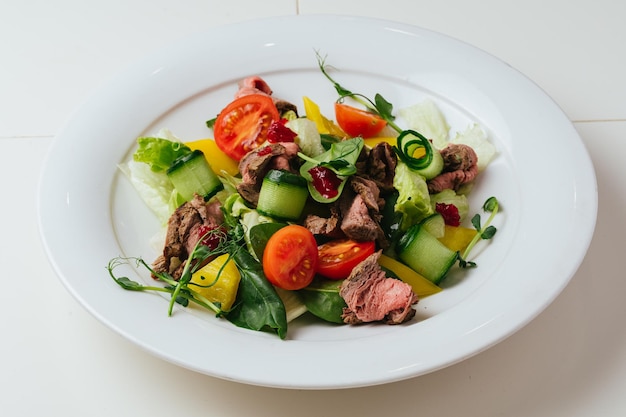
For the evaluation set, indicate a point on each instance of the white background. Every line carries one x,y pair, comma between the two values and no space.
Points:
56,358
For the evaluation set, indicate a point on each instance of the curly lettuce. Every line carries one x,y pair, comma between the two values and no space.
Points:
308,138
476,138
413,200
159,152
448,196
154,188
429,120
147,171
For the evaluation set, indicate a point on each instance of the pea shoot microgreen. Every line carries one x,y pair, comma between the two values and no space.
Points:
485,232
379,105
257,306
181,291
408,140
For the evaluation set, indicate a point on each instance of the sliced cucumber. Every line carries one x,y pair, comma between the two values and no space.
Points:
191,174
421,286
428,162
283,195
425,254
435,225
434,168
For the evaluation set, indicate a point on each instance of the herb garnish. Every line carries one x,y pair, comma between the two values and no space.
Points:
485,232
181,292
379,105
257,306
408,140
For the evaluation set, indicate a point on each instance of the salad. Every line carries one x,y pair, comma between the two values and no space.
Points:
288,212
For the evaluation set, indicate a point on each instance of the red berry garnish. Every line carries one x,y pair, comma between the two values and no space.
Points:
450,213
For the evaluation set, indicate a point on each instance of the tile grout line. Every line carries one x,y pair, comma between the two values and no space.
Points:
27,137
598,120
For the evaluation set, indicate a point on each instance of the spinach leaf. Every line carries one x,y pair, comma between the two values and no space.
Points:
258,306
260,234
328,140
322,299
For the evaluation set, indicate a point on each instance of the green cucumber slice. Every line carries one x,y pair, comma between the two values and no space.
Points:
283,195
435,225
425,254
191,174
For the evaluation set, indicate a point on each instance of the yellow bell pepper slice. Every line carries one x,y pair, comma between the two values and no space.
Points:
217,281
421,286
371,142
215,157
324,126
457,238
393,141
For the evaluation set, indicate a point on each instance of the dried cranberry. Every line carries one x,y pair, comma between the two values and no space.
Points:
278,132
450,213
264,151
325,181
213,235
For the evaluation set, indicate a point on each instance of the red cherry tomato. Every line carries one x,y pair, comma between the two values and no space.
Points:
356,122
242,126
290,258
337,258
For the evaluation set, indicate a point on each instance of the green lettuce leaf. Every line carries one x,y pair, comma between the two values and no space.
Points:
413,201
448,196
159,153
427,119
476,138
308,138
154,188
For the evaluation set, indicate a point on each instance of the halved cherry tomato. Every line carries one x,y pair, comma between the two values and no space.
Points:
356,122
337,258
243,124
290,258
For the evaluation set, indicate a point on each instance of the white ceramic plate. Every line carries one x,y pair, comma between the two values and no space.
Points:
542,176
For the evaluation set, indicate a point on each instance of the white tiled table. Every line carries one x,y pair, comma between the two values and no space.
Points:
56,358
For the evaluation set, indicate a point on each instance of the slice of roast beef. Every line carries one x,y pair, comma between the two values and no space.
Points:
371,296
355,215
325,226
185,227
257,85
356,221
253,85
368,190
284,106
359,206
380,166
460,166
258,162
